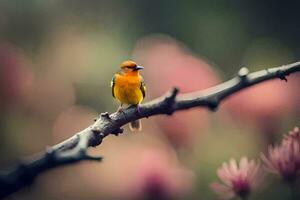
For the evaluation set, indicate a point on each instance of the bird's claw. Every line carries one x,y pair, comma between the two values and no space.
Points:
137,106
120,109
139,109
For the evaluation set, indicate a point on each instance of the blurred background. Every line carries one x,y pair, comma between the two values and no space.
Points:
56,62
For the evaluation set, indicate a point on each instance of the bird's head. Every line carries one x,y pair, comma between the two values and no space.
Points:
130,66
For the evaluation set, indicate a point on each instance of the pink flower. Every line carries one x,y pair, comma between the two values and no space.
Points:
284,159
293,136
238,180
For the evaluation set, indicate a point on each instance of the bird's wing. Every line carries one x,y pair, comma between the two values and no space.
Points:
143,88
112,85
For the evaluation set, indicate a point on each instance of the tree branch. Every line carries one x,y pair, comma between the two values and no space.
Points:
74,149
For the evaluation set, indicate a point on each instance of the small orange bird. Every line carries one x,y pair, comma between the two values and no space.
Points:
128,87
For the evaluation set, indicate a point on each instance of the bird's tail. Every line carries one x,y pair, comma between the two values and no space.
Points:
135,125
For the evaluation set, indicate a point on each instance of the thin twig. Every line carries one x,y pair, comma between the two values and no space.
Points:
74,149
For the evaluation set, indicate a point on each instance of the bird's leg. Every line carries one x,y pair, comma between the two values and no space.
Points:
137,106
120,109
138,109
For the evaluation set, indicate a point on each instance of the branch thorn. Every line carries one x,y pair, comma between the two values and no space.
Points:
170,101
96,139
243,72
281,75
117,131
96,130
213,104
105,115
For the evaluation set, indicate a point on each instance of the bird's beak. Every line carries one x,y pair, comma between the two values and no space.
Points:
138,67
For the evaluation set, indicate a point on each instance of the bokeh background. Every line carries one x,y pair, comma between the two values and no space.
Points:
56,62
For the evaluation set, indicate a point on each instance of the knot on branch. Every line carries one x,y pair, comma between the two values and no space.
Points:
117,131
213,104
95,140
243,73
50,154
105,116
281,75
96,137
96,130
170,101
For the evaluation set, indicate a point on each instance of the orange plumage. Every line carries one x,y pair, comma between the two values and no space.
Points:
129,88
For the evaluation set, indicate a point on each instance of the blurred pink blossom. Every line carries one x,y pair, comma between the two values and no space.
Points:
284,159
16,76
294,83
168,64
263,105
156,178
238,180
293,136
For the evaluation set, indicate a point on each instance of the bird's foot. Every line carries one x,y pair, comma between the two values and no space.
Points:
120,109
138,107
